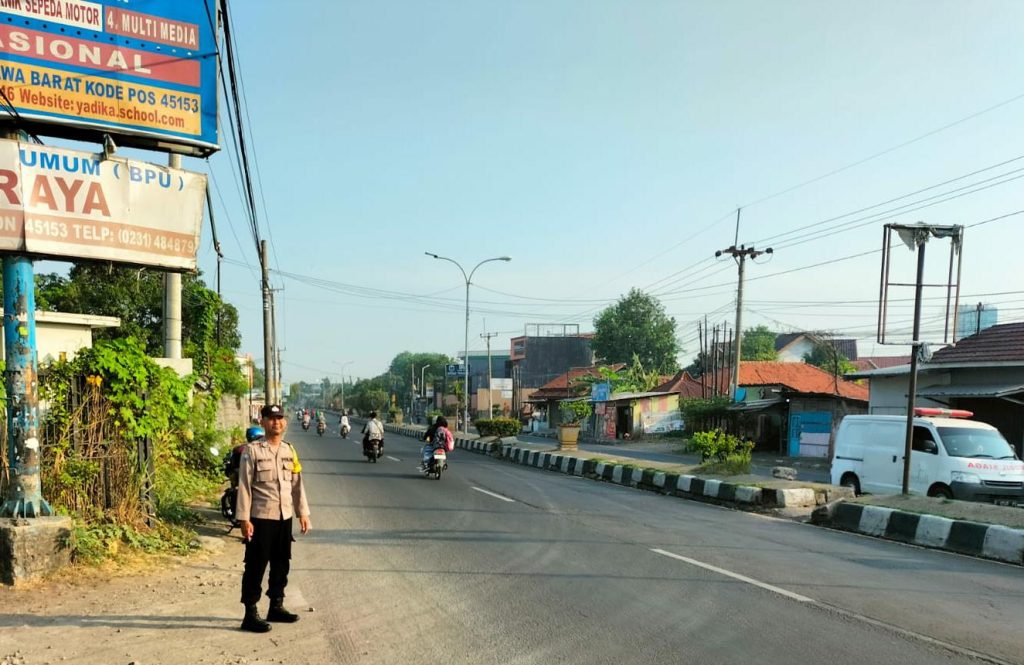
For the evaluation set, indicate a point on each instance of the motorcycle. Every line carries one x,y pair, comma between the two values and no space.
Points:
372,449
321,427
345,429
437,463
305,423
230,464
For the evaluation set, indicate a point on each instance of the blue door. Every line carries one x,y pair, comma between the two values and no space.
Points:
809,433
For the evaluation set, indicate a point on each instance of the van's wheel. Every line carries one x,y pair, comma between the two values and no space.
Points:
940,492
850,480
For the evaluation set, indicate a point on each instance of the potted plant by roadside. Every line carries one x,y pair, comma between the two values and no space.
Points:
573,413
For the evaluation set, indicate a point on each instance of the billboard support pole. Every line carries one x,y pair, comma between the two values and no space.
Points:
172,296
24,495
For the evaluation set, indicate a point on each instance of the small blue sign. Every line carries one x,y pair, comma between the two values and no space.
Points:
455,370
601,392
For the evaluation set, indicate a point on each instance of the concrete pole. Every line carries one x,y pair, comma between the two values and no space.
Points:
735,383
24,495
172,296
268,327
465,360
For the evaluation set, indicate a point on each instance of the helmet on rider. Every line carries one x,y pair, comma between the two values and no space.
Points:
254,433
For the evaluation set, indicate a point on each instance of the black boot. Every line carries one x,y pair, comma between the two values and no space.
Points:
278,613
253,622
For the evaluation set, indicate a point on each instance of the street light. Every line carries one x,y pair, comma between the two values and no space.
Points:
343,365
465,348
423,388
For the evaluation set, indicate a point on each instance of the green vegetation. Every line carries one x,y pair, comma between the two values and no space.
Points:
576,411
112,399
633,378
637,327
500,427
826,356
721,453
759,344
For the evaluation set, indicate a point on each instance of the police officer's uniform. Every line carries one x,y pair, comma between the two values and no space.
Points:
270,493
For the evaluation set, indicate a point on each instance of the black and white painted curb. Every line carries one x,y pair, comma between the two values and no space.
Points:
990,541
675,484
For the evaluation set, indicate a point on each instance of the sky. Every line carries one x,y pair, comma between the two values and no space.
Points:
606,145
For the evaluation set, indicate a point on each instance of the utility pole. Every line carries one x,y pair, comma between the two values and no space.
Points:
740,255
412,390
172,296
275,382
268,326
490,395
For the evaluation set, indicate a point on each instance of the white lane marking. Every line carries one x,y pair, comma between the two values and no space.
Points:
496,496
393,459
736,576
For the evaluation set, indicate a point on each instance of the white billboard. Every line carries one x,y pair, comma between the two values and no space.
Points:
70,204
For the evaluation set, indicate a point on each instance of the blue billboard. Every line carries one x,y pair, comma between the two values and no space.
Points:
144,71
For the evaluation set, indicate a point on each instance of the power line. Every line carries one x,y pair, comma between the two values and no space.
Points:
886,151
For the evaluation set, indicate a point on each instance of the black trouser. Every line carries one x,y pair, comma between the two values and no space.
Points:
271,543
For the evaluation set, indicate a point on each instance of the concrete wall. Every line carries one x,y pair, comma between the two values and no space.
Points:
233,412
62,334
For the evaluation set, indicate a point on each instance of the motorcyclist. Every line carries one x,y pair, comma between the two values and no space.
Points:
373,430
436,436
305,420
344,426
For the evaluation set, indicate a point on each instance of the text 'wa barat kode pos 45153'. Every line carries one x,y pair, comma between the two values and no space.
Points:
270,494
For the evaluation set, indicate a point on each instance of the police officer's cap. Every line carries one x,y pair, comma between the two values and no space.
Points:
272,411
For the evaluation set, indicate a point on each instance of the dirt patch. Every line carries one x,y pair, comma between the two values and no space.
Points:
985,513
152,609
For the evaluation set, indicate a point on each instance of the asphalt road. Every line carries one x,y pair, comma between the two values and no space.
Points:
496,563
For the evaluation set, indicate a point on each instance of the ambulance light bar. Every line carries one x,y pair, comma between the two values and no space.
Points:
949,413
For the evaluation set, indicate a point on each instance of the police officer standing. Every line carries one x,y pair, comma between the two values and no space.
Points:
270,493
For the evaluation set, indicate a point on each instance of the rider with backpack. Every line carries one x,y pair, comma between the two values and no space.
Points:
437,436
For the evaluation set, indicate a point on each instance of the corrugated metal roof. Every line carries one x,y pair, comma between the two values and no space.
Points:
979,390
1000,343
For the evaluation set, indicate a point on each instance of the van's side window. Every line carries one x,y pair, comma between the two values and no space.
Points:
924,442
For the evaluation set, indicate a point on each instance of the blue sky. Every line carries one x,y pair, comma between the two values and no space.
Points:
605,145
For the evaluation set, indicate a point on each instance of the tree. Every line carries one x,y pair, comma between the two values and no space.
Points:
826,356
632,379
637,325
136,297
759,344
400,370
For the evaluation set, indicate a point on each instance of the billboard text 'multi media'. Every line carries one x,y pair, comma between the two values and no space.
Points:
143,70
69,204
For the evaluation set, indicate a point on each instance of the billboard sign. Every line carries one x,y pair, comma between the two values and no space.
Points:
455,370
69,204
142,70
600,392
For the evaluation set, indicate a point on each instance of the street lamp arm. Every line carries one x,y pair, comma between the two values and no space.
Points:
497,258
457,264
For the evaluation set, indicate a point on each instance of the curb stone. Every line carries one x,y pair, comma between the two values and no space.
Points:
989,541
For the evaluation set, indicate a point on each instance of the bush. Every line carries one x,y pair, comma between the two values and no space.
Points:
723,450
575,412
499,427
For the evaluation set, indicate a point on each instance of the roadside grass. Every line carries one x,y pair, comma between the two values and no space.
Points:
100,539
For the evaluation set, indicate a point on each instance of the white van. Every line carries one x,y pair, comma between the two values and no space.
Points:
952,457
